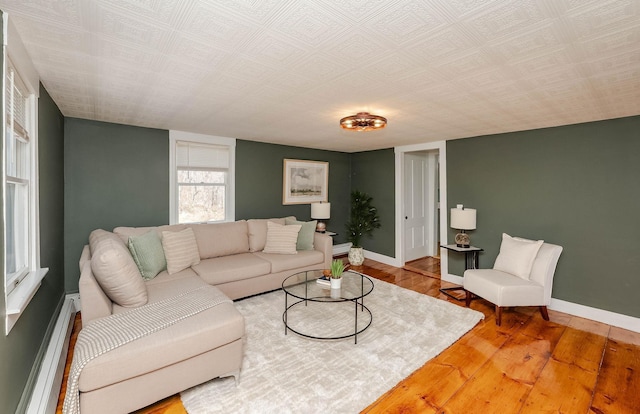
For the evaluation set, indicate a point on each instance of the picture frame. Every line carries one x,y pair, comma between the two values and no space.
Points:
305,182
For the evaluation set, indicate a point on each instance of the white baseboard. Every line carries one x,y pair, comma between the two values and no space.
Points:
341,248
45,393
600,315
344,248
391,261
452,279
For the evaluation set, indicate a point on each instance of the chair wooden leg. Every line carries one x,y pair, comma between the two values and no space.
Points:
498,315
467,298
544,313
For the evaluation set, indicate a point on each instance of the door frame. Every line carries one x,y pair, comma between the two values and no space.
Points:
399,152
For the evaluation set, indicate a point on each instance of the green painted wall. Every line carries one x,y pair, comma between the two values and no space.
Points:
115,175
576,186
22,350
374,173
118,175
259,183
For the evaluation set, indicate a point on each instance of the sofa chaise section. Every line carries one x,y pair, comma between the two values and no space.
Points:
202,347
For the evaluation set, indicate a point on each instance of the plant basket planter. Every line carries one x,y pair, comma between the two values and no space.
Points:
356,256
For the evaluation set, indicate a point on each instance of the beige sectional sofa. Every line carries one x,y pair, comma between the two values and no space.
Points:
199,348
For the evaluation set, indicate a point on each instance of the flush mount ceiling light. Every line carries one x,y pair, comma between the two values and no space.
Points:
363,121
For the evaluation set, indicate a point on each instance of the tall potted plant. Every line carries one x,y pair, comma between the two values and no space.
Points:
362,221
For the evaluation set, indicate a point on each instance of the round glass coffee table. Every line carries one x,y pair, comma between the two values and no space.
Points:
316,311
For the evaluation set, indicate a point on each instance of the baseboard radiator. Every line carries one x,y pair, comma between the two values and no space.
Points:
44,397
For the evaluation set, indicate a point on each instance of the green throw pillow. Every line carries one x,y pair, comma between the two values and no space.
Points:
148,254
305,236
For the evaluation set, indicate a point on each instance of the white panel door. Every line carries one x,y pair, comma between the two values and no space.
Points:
415,206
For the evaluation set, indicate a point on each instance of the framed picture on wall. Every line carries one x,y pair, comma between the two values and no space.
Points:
305,182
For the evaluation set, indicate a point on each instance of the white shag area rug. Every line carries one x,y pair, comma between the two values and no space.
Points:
293,374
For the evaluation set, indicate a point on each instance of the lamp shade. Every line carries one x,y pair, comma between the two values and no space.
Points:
320,210
463,218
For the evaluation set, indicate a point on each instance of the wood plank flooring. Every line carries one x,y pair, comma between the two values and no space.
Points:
428,266
527,365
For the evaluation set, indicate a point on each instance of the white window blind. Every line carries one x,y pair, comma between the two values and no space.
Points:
18,181
202,181
202,176
192,155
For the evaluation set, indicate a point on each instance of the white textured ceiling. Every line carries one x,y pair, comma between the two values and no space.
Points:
286,71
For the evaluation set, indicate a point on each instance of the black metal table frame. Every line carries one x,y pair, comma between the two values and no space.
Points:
470,262
307,299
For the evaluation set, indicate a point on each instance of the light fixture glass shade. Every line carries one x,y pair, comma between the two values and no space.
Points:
321,210
463,219
363,121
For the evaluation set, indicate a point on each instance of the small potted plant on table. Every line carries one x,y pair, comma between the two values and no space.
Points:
337,267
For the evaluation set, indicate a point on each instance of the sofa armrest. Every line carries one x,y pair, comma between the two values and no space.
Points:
94,302
324,244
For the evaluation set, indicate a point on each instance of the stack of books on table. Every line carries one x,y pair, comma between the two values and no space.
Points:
324,281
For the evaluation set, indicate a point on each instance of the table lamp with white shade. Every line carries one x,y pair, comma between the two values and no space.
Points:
463,219
321,211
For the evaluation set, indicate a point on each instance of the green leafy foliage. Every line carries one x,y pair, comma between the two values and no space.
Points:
337,267
363,219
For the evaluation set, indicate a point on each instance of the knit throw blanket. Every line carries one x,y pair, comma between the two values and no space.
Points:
111,332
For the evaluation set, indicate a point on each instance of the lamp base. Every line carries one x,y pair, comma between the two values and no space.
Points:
462,240
321,227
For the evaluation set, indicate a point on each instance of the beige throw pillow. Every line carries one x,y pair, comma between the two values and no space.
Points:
180,249
258,233
117,273
517,256
281,239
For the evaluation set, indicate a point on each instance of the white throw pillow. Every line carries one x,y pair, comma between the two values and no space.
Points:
180,249
117,273
517,256
281,239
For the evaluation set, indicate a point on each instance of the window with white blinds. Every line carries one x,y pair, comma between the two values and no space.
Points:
203,177
22,272
17,180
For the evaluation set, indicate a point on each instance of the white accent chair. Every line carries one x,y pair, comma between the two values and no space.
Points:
505,289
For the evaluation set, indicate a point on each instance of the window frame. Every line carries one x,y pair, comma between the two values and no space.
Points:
189,137
21,287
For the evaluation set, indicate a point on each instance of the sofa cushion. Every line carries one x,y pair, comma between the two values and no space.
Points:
99,235
517,256
180,249
116,272
221,239
165,277
503,289
258,232
148,254
124,233
306,233
282,262
281,239
165,286
231,268
207,330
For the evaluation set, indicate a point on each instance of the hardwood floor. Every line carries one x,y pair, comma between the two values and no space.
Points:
527,365
428,266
